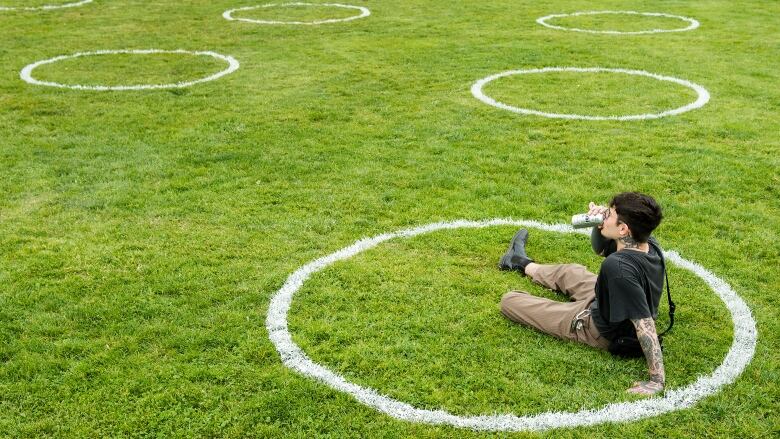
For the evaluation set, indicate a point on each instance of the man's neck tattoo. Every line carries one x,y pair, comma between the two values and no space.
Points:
629,242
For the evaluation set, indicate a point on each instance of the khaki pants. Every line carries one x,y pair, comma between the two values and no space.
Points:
553,317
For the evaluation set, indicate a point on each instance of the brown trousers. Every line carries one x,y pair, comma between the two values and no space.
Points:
553,317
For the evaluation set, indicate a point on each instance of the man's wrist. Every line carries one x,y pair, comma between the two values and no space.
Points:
646,388
657,379
659,384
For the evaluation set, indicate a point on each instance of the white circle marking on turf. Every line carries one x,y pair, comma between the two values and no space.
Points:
364,12
738,357
692,23
702,95
44,7
26,73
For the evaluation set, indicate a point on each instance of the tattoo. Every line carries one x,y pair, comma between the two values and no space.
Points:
629,241
648,339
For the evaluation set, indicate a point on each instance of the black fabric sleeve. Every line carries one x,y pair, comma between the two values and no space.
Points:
601,245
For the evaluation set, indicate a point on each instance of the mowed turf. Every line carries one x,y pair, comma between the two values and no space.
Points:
144,232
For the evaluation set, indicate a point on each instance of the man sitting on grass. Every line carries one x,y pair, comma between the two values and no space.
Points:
621,301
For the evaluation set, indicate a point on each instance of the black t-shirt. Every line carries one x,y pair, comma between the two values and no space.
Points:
625,281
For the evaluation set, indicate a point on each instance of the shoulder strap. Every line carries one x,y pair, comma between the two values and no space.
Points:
672,307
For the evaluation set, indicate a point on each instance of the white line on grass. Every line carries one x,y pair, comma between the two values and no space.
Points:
44,7
364,12
702,95
26,73
737,358
692,23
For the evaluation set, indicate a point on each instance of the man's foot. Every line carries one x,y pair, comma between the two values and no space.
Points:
515,257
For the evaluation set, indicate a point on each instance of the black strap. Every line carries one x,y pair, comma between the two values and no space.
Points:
672,307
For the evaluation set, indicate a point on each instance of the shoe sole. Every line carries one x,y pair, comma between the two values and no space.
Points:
515,238
503,263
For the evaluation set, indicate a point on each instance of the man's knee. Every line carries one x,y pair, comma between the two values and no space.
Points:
509,301
576,267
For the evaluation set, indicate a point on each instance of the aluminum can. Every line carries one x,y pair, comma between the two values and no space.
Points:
583,220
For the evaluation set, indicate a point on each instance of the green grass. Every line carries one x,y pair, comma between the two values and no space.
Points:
34,3
589,94
620,22
429,308
143,233
292,12
129,69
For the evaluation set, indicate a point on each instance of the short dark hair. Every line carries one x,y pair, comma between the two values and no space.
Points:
640,212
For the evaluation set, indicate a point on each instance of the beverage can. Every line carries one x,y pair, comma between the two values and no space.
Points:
583,220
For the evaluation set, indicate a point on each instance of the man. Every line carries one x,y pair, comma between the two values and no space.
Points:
622,300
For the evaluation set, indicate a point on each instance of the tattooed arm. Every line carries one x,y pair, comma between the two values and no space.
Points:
648,339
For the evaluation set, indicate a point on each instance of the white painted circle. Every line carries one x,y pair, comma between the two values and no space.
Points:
692,23
44,7
738,357
26,73
364,12
702,95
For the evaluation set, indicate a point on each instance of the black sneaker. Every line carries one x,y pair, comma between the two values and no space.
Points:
515,257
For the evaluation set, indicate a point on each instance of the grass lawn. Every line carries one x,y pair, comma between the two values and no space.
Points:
143,233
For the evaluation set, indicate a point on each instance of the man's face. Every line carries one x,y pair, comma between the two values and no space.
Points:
612,228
